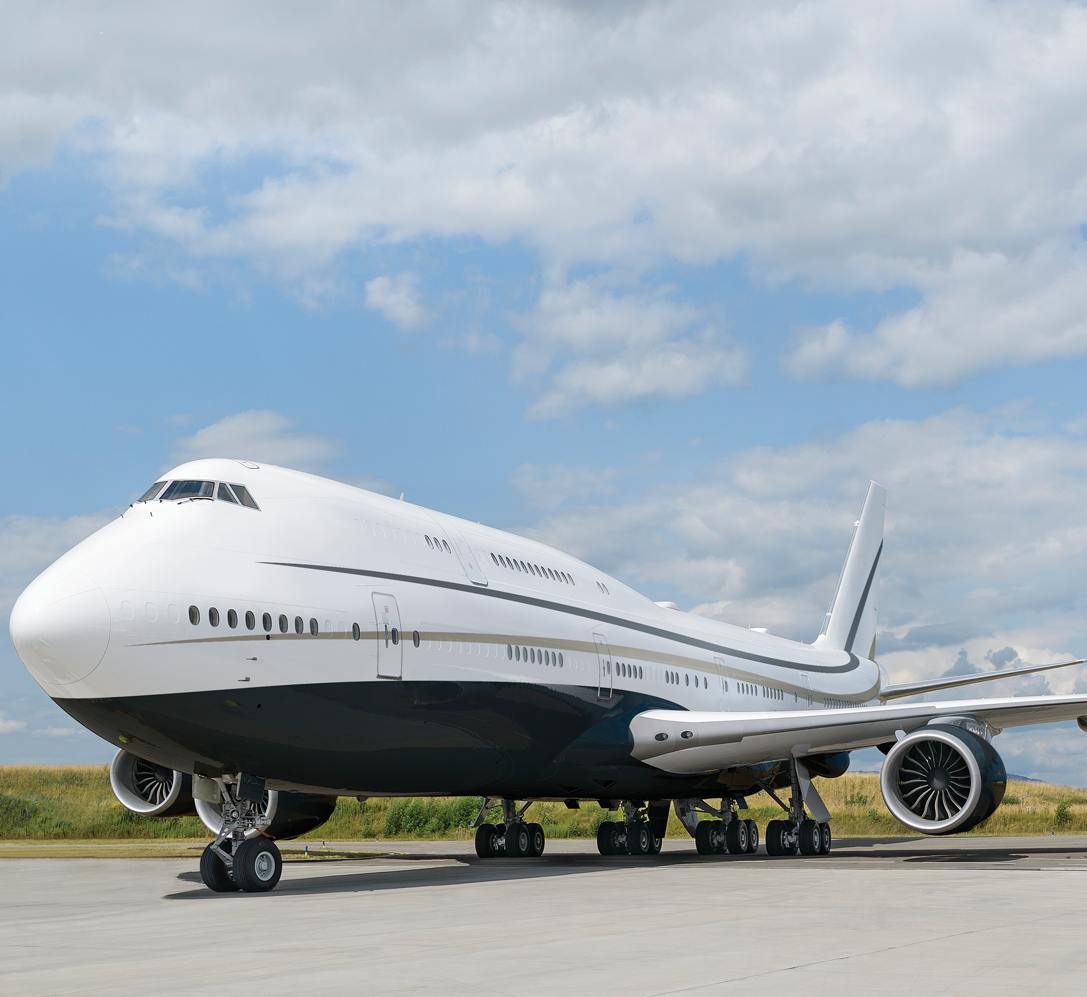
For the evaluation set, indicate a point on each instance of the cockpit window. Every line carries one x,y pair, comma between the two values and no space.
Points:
151,492
244,497
189,489
225,493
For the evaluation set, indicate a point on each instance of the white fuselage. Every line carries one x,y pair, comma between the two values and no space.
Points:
128,613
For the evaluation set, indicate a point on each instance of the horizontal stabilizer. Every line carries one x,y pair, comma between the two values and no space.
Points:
918,688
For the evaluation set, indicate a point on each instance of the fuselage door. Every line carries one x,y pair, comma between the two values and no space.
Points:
722,679
606,665
807,686
390,649
468,560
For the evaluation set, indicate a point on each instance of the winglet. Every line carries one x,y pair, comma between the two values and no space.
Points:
850,623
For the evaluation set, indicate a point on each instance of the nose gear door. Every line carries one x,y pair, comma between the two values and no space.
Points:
603,655
390,650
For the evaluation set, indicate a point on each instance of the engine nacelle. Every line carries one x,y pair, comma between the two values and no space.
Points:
943,778
149,789
289,814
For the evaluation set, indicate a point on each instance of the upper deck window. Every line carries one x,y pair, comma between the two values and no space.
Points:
189,490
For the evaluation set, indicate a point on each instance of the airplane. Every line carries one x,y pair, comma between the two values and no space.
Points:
258,642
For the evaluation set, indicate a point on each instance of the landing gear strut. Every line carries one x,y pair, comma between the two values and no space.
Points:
513,838
241,857
731,834
641,831
800,833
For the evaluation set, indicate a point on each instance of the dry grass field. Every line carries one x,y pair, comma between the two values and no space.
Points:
66,803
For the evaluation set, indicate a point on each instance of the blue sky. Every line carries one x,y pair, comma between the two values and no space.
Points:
662,285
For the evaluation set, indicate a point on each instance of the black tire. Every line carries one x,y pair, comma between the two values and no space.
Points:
536,841
639,839
485,841
703,837
518,841
825,839
752,836
736,836
257,865
775,837
604,838
655,843
214,872
811,837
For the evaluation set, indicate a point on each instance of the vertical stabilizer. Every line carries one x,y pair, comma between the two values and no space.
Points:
850,623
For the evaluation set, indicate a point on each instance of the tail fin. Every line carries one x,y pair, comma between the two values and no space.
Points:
850,623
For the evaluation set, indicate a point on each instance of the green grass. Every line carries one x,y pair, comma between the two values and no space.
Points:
42,803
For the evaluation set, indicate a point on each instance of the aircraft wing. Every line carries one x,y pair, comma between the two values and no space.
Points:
688,743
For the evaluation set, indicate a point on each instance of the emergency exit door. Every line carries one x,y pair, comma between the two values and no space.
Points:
606,666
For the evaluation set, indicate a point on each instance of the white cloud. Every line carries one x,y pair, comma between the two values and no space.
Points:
259,436
11,726
986,539
549,487
935,146
60,731
614,346
397,298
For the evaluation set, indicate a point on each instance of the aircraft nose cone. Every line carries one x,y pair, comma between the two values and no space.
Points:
60,626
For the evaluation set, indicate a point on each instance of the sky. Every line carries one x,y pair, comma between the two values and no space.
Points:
662,284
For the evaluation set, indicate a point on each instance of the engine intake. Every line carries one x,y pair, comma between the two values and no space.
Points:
149,789
943,779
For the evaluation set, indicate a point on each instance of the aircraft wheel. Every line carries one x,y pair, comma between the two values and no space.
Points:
775,837
639,839
536,840
656,843
703,837
811,838
257,865
518,841
500,842
605,835
752,836
736,836
824,839
485,841
214,873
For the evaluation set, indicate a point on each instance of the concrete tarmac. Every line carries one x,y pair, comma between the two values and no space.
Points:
937,916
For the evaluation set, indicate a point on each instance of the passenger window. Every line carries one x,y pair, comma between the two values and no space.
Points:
428,541
509,651
415,637
532,656
495,559
244,497
560,659
250,620
151,492
194,615
189,489
213,616
517,653
298,624
232,619
355,631
395,634
266,622
313,629
282,624
445,547
225,493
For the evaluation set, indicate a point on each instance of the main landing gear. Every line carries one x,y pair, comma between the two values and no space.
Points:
641,832
799,833
241,857
513,838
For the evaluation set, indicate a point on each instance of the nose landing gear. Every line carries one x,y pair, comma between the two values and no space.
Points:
241,857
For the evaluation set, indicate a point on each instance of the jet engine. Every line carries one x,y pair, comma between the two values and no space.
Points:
290,814
149,789
943,778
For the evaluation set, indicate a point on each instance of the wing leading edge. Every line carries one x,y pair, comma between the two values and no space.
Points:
687,743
